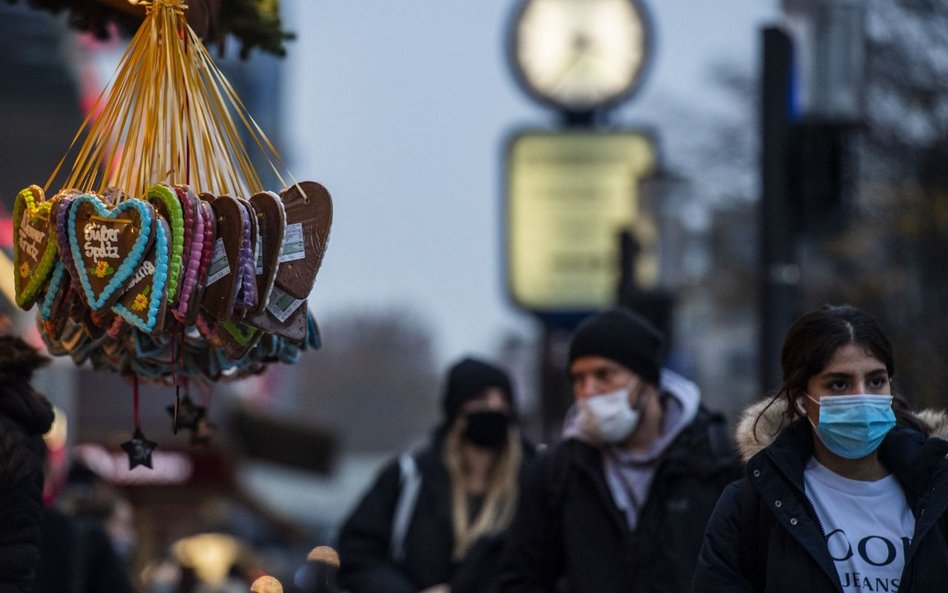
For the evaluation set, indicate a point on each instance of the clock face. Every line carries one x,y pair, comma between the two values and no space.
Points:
579,54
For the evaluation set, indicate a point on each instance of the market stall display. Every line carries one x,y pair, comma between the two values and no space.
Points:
164,258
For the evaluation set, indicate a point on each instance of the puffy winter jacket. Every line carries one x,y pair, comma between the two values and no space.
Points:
793,555
570,535
24,417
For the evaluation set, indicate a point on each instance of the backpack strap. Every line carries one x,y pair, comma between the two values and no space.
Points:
410,484
756,524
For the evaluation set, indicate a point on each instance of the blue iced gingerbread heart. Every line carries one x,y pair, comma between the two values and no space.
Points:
144,299
107,245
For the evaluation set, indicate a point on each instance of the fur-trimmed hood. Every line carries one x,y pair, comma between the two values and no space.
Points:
752,439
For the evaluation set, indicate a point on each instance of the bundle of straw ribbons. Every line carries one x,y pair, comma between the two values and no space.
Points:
162,256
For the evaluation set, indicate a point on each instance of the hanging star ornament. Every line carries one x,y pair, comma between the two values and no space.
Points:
185,414
139,450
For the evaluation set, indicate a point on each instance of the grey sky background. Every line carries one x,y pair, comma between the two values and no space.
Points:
401,109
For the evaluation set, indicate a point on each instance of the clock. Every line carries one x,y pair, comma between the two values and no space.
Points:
579,55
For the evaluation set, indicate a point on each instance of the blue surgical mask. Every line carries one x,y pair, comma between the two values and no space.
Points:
853,426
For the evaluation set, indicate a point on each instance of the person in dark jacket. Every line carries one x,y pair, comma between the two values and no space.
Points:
77,556
24,417
434,520
620,504
844,491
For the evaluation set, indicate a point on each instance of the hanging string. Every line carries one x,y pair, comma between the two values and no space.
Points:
174,376
187,122
170,116
138,422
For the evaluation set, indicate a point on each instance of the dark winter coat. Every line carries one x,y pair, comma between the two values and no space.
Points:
795,555
365,538
24,417
569,535
77,557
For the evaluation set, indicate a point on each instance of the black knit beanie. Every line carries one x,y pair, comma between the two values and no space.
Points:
467,379
621,336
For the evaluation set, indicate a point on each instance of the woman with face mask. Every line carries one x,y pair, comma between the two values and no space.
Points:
435,519
845,489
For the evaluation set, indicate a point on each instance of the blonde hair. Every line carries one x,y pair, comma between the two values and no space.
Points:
500,498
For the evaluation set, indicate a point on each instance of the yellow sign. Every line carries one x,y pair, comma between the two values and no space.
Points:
569,196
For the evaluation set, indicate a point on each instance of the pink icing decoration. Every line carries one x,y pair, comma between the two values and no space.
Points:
193,266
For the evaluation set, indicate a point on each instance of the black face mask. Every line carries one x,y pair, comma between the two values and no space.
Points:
487,429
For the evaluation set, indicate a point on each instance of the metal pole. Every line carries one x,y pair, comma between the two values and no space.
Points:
779,272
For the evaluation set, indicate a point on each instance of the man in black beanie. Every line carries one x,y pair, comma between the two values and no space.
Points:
620,503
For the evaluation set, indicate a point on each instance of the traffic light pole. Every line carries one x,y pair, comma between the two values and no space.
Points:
779,271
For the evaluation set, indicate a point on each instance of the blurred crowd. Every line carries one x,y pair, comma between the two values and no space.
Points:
830,483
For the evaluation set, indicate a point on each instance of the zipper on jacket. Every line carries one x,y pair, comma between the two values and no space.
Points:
812,510
809,503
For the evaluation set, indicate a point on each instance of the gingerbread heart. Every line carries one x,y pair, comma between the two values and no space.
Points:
59,214
191,253
58,286
223,274
193,309
145,297
285,316
271,222
165,200
108,245
34,245
60,315
246,284
308,209
238,338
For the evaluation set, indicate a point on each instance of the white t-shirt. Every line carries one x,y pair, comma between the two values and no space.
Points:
868,526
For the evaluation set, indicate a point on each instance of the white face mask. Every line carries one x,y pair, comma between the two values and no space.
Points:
608,417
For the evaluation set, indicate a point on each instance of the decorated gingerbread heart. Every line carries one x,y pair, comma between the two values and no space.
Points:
165,200
34,245
285,315
271,222
223,274
145,297
191,252
246,261
308,209
108,245
237,338
55,292
193,309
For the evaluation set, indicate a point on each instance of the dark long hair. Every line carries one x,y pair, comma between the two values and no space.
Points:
813,340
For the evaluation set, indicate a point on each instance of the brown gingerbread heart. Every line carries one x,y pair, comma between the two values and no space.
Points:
308,209
143,304
247,295
107,245
271,222
207,253
285,316
221,282
34,245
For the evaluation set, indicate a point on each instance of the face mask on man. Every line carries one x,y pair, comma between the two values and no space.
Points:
487,428
608,417
853,426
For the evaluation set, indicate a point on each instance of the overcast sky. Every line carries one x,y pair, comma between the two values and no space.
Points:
401,109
